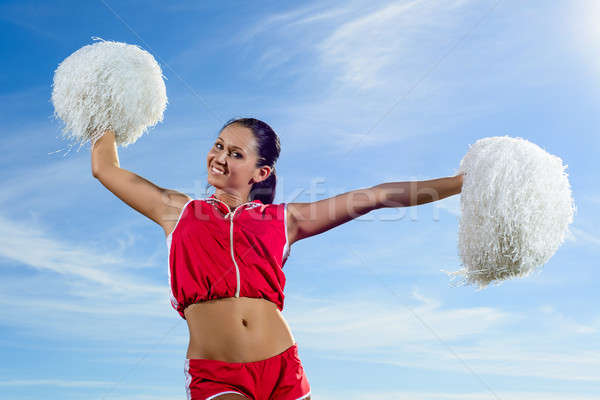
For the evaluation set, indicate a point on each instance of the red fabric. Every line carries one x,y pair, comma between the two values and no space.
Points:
201,266
280,377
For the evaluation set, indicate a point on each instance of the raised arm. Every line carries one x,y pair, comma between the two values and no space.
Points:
308,219
160,205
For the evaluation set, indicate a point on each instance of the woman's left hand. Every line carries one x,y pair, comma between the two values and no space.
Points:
460,178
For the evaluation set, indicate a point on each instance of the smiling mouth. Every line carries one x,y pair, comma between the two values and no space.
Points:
217,171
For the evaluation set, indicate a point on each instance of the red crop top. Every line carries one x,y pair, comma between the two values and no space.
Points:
215,252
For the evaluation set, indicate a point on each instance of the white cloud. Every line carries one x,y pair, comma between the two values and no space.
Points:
31,246
365,327
582,33
78,291
362,47
450,204
320,16
54,382
267,23
106,387
427,395
582,236
364,322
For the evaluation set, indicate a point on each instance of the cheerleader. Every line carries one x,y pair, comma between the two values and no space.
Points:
227,252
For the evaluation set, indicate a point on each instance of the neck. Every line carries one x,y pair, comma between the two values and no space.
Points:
231,199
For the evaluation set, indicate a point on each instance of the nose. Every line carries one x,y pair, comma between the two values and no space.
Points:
220,158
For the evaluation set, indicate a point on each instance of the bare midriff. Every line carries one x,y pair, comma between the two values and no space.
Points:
238,329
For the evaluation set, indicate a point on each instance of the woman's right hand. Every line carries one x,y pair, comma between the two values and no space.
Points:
104,152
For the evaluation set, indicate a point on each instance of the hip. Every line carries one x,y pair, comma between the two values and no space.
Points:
280,377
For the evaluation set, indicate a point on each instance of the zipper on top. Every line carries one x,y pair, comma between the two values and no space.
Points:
230,216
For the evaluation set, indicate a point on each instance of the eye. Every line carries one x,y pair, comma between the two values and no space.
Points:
218,145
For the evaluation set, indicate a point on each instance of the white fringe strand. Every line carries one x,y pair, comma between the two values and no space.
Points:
108,85
516,207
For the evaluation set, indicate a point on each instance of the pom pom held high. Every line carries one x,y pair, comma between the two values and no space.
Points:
108,85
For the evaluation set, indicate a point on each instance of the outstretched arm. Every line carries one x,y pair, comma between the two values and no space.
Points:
308,219
415,193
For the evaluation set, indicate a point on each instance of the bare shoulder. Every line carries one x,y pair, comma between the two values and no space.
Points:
173,205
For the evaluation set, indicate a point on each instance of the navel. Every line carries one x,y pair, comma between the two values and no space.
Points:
244,322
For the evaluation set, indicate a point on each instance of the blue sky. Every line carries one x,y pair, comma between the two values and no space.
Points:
360,93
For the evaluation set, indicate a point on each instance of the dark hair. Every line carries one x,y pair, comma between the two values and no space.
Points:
267,148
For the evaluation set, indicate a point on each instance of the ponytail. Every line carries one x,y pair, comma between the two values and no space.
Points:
264,190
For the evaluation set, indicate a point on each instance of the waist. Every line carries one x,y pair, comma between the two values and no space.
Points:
239,329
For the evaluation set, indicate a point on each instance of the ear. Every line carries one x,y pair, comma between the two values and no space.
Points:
262,173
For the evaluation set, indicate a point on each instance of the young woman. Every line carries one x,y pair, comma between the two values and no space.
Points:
227,251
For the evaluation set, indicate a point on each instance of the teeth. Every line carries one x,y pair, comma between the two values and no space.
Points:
218,171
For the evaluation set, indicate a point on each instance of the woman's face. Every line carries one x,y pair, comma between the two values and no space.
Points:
234,154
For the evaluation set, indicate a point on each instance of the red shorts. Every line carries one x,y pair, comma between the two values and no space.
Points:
280,377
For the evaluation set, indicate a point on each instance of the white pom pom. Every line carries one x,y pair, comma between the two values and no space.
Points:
109,85
516,207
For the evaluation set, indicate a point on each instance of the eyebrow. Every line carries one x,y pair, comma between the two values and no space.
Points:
234,146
